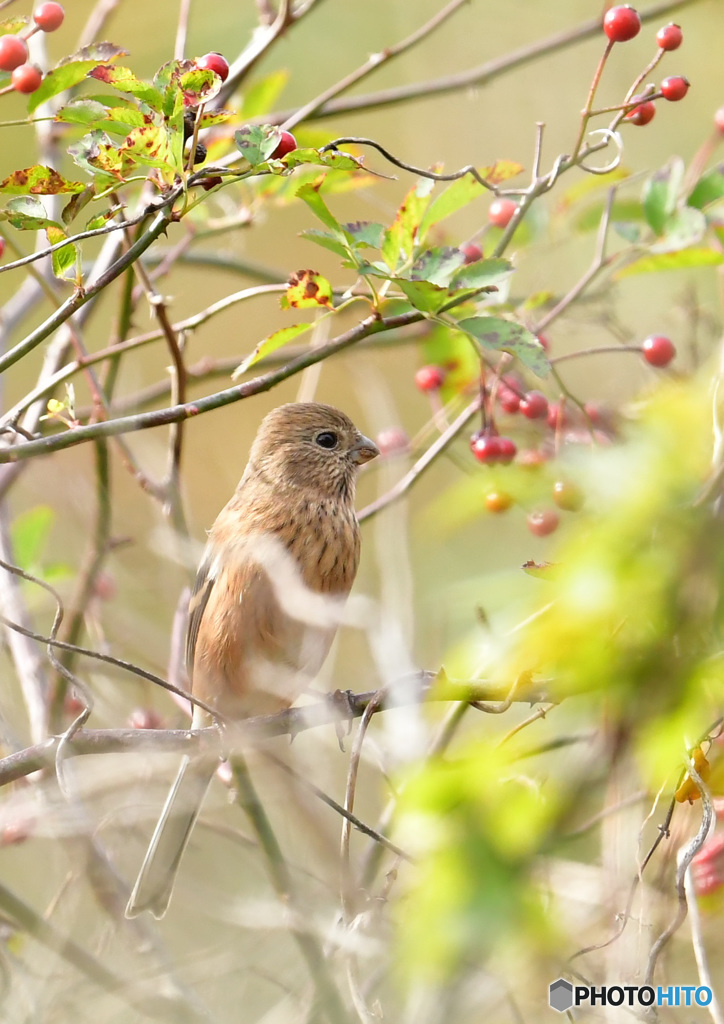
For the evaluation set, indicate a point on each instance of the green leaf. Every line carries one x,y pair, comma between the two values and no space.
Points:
77,203
98,52
310,195
327,241
709,188
482,273
455,197
437,265
425,296
64,260
39,180
26,213
30,531
124,80
507,336
257,142
330,158
11,26
271,344
589,219
364,233
82,111
400,237
59,79
199,86
153,146
661,193
682,230
542,570
261,97
630,232
682,260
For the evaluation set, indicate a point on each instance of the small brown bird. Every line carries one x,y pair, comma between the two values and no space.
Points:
279,563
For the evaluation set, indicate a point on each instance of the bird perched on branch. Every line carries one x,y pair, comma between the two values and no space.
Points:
279,563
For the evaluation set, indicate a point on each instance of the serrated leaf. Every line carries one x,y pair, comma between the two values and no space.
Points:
212,117
437,265
310,195
82,111
39,181
26,213
261,96
271,344
482,273
59,80
425,296
151,145
330,158
124,80
709,188
94,153
364,233
199,86
683,229
400,237
98,52
661,193
507,336
11,26
257,142
682,260
327,241
308,290
64,259
456,196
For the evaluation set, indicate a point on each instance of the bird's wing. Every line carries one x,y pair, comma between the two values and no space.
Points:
203,585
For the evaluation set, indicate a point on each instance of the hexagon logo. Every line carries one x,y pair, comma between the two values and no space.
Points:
560,995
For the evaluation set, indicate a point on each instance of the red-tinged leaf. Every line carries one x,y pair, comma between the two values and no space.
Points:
199,86
507,336
151,145
271,344
682,260
39,180
212,117
308,290
124,80
501,171
400,237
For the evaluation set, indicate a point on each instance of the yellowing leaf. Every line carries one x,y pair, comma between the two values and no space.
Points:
308,289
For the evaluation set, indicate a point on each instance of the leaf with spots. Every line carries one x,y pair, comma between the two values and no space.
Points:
257,142
364,233
307,290
271,344
26,213
482,273
124,80
330,158
64,77
40,181
500,335
152,145
400,237
199,86
437,265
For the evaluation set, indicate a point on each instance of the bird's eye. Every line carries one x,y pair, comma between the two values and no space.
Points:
327,439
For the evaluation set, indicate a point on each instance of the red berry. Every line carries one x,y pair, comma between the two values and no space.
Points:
567,495
49,16
429,378
15,832
558,415
392,440
669,37
509,401
658,350
621,23
534,405
641,114
674,88
287,144
544,341
498,501
13,52
719,119
542,521
472,252
507,449
2,247
214,62
26,78
531,458
485,447
501,212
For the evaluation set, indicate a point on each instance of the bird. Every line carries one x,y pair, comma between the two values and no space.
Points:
268,597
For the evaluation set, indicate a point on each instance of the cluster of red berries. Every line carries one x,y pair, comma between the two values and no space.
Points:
622,23
26,77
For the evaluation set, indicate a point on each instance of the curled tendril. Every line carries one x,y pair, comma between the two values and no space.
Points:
616,139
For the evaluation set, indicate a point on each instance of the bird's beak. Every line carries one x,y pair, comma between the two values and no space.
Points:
363,450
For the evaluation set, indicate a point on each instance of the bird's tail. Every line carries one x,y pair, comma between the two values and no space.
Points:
156,878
